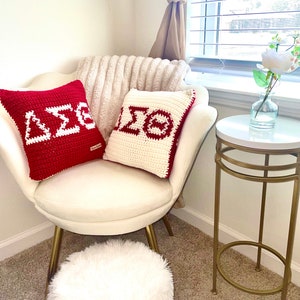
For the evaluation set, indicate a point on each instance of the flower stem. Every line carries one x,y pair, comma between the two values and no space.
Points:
268,91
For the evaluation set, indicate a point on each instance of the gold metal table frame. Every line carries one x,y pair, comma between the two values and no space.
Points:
264,173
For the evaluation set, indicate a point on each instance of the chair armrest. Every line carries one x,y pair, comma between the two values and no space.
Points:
202,96
50,80
199,121
12,152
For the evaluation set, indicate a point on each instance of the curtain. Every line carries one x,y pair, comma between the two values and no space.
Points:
170,39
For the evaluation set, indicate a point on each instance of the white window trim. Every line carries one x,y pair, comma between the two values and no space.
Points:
239,91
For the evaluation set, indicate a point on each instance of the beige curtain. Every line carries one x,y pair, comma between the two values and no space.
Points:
170,39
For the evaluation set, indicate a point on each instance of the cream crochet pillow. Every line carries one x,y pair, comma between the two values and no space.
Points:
145,135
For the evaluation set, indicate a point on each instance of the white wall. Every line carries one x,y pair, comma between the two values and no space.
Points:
148,16
50,35
123,26
135,29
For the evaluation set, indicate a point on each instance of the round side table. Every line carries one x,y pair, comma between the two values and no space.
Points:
234,135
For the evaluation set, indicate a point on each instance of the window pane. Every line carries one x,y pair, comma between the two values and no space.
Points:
238,29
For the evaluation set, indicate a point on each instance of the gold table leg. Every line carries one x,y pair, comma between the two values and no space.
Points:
290,243
262,214
216,220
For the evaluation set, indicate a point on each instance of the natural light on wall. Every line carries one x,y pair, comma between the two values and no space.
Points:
237,30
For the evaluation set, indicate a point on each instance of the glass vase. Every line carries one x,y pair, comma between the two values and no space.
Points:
263,113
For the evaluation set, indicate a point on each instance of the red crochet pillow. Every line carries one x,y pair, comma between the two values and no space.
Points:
148,128
56,127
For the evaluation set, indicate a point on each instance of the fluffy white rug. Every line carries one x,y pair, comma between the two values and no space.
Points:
115,270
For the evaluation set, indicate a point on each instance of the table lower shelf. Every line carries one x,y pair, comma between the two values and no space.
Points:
260,246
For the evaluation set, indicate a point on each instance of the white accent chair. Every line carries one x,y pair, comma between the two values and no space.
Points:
101,197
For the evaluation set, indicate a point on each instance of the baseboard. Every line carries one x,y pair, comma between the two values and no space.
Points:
25,240
44,231
227,235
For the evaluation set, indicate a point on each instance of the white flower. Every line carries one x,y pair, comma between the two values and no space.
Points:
277,62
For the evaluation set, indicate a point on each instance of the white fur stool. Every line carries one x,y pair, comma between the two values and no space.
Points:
115,270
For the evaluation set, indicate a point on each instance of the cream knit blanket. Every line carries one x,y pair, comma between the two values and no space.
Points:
107,79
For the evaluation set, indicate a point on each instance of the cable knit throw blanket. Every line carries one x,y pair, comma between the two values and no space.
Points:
107,79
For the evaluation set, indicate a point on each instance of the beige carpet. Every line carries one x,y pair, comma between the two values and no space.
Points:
189,253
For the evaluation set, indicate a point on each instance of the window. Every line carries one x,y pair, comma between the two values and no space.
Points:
234,33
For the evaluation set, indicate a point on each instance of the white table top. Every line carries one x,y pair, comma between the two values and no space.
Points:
235,129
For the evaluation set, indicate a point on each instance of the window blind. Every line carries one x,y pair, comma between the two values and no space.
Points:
238,29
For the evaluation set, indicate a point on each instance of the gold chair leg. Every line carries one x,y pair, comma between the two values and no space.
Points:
151,237
168,225
56,243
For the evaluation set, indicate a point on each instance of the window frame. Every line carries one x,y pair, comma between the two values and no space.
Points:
227,66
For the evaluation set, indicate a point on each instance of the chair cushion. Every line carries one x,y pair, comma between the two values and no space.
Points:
100,191
56,127
148,128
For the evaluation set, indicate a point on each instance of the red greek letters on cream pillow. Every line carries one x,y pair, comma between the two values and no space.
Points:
56,127
147,130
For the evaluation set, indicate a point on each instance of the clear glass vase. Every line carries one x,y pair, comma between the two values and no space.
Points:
263,116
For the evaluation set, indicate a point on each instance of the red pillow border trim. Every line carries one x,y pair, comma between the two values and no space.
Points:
178,132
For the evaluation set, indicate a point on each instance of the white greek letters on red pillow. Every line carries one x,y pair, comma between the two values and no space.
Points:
146,133
56,127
